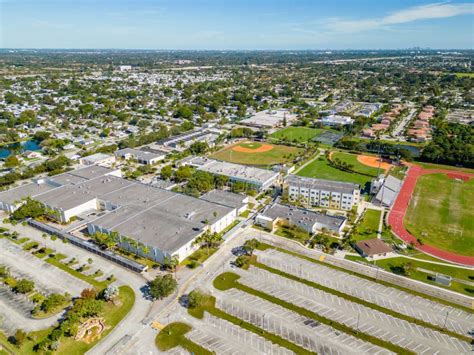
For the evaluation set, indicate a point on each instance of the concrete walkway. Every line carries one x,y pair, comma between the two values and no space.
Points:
320,151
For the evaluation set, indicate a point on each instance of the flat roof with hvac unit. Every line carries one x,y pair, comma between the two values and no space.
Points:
260,177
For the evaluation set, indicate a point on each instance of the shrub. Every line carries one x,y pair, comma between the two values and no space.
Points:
24,286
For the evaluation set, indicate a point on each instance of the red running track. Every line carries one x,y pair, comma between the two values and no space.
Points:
397,214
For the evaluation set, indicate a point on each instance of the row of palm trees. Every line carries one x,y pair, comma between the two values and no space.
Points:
113,239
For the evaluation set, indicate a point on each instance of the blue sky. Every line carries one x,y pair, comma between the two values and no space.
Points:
236,24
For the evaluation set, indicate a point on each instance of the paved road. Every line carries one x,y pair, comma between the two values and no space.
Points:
398,131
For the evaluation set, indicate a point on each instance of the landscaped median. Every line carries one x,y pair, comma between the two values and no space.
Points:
208,304
350,298
229,280
173,335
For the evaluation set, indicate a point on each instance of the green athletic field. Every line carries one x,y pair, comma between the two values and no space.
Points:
279,154
297,134
321,169
441,213
358,167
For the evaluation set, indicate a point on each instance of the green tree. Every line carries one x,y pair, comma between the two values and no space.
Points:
195,298
183,173
52,302
170,262
250,245
24,286
162,286
166,172
11,161
19,337
208,240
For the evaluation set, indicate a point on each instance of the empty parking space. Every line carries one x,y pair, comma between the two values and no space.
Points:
300,330
47,277
223,337
399,301
354,315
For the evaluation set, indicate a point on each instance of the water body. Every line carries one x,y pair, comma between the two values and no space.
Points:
6,151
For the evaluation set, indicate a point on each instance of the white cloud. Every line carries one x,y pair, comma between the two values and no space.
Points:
412,14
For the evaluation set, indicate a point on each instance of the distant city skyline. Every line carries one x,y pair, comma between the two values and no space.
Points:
234,25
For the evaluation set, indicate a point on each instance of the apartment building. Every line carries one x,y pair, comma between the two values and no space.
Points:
322,193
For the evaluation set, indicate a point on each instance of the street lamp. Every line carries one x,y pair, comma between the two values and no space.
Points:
446,319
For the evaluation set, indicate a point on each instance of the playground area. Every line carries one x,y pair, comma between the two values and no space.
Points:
433,211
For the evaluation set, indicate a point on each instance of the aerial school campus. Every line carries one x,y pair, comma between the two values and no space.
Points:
236,202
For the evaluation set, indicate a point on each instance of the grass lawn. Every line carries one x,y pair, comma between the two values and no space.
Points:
464,75
423,256
172,336
198,257
245,214
293,233
396,264
367,229
398,172
320,168
56,310
445,167
100,285
441,213
278,155
356,258
358,167
112,315
297,134
7,348
229,280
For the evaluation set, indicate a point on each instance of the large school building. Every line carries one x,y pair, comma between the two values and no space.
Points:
161,222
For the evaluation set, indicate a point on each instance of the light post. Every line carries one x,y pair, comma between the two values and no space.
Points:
358,319
300,271
446,319
263,321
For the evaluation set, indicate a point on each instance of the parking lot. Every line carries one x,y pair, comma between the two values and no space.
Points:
399,301
223,337
15,309
289,325
47,278
356,316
